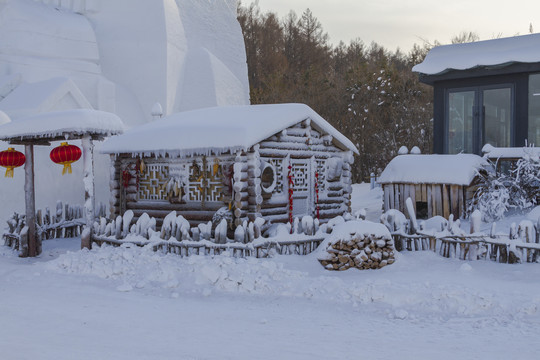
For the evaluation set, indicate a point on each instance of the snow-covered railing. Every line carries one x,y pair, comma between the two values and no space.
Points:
67,221
521,244
177,237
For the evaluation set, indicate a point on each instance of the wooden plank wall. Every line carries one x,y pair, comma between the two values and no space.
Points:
441,199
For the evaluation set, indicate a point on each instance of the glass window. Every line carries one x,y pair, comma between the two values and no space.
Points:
534,109
460,121
497,108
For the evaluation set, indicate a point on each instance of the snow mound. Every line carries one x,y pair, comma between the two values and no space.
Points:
392,290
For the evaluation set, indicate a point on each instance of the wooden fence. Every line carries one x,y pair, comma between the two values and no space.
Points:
500,248
67,221
260,248
522,244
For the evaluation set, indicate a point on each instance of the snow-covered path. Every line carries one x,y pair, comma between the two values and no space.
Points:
423,306
131,303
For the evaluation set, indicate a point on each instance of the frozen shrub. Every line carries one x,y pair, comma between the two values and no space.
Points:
498,193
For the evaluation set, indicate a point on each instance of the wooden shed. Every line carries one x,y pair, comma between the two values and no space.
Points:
437,184
272,161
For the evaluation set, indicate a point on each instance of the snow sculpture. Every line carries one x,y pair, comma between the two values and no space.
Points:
164,51
119,56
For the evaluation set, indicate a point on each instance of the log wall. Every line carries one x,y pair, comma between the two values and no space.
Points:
302,141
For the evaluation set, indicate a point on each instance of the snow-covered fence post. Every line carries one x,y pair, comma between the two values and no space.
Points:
527,235
494,248
537,239
513,256
413,227
472,250
88,181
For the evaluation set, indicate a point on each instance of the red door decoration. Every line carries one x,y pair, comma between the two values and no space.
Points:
291,191
65,154
11,159
317,192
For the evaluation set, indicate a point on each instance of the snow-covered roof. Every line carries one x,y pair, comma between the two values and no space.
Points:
61,123
217,130
457,169
30,99
496,52
493,152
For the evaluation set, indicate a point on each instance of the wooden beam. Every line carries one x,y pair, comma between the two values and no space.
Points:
30,142
88,180
34,244
446,202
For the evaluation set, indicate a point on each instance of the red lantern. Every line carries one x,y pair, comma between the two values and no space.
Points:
65,154
11,159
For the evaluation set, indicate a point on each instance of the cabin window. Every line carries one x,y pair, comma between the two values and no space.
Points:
152,182
205,180
421,210
268,178
277,163
534,110
199,180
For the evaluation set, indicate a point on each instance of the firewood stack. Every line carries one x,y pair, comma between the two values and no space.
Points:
361,251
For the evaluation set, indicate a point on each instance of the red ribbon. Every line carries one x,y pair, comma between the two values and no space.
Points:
291,191
317,193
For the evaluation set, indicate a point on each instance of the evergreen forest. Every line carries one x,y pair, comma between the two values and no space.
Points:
368,93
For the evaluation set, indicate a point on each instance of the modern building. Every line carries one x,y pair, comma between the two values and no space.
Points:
486,92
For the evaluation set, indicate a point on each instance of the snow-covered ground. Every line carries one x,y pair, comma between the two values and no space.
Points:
130,303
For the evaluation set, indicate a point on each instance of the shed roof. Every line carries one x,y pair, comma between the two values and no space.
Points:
496,52
59,125
492,152
217,130
457,169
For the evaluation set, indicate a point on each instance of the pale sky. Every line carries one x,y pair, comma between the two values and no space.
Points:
401,23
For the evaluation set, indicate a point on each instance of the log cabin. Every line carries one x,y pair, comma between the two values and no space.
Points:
272,161
437,184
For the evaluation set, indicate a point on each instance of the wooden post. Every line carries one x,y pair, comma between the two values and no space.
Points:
88,180
34,244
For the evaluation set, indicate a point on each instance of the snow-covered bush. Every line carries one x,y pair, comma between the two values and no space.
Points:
499,192
492,197
527,180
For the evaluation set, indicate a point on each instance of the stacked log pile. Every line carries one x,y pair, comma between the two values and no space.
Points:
358,250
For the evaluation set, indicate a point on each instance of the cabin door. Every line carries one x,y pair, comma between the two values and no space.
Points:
302,188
